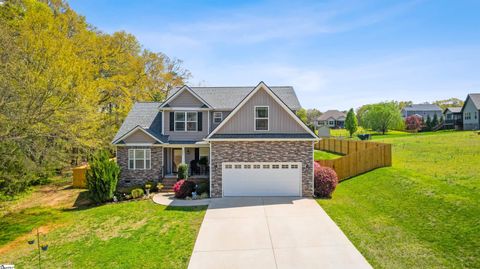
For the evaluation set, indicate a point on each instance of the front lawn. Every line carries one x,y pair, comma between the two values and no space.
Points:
135,234
421,213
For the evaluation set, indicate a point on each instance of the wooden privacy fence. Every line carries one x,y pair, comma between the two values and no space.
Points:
79,175
360,156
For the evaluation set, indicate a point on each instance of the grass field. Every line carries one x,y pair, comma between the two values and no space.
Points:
323,155
136,234
423,212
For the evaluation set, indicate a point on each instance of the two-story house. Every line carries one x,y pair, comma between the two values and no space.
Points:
245,141
422,110
471,112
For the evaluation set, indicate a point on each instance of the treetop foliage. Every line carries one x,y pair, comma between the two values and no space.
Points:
65,87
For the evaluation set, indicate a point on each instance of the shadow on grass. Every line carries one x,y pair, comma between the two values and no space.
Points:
187,208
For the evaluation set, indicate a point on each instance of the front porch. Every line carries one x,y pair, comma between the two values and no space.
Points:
197,157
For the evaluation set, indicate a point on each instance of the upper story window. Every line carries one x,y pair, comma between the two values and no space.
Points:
217,117
139,159
261,118
186,121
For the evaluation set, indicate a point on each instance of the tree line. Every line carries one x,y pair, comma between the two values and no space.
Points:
65,87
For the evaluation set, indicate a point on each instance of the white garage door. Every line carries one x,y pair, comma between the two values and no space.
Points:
261,179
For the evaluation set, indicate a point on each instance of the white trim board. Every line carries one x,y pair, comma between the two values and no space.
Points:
185,87
138,127
261,85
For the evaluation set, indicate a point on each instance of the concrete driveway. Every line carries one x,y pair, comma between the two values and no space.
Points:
271,232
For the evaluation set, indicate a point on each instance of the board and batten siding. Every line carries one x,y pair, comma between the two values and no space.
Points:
473,122
185,99
139,137
243,121
185,136
214,125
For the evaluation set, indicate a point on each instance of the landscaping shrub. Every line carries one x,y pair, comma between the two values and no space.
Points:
316,166
413,123
137,193
202,188
183,188
326,181
183,171
102,177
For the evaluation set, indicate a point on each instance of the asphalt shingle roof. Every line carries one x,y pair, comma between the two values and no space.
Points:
455,109
227,98
331,114
422,107
475,99
145,115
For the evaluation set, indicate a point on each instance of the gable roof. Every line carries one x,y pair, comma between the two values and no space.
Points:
335,114
453,109
262,85
227,98
475,97
177,92
147,117
422,107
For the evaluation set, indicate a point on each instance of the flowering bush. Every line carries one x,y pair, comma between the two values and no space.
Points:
325,180
183,188
413,122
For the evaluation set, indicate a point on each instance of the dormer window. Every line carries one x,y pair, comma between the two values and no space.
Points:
261,118
217,117
186,121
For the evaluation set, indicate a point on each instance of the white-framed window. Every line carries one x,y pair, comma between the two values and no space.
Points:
217,117
261,118
186,121
139,159
331,123
468,115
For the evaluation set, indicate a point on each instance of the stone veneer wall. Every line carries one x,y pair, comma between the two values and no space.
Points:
139,177
262,151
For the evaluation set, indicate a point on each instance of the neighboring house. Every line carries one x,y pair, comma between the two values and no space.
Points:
453,118
422,110
471,112
245,141
332,119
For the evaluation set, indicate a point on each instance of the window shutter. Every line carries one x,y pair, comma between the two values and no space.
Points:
172,121
199,119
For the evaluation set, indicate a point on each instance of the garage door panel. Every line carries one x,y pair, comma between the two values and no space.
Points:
261,179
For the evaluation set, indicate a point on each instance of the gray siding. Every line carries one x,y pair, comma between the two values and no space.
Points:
185,136
279,120
474,121
213,125
424,114
139,137
185,99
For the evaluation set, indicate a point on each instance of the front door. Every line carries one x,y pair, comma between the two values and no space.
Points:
176,160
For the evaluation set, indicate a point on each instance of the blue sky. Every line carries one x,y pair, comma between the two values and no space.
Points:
337,54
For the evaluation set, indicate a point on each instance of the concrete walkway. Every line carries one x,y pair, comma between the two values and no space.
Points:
273,232
168,199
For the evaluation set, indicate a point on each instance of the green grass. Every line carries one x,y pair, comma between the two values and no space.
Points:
324,155
137,234
423,212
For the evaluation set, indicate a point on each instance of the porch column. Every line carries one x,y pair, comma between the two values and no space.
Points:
183,154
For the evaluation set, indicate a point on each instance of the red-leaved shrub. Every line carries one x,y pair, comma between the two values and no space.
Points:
326,181
316,166
183,188
413,123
